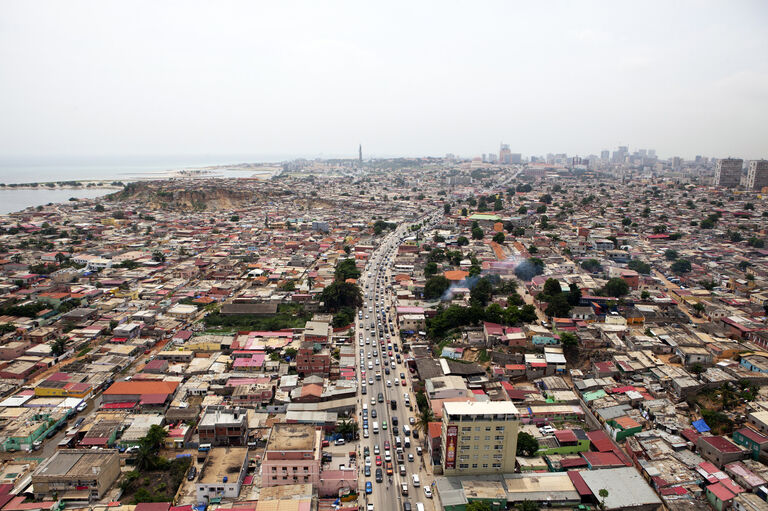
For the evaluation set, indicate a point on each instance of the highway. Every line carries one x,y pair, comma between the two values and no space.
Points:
377,355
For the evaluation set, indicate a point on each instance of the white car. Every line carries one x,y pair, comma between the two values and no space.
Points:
427,492
389,383
367,461
370,507
365,433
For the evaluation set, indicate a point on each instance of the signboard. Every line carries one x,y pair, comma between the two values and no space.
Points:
452,432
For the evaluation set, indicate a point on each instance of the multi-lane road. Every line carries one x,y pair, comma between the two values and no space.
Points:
385,379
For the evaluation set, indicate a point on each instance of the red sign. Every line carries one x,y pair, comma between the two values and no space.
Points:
452,432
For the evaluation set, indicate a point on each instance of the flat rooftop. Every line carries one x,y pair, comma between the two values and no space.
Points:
221,462
480,408
74,463
292,437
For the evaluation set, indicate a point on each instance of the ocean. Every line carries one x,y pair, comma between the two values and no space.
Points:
36,170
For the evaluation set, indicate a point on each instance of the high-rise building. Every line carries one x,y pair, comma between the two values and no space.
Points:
757,175
504,154
728,172
515,158
605,154
360,154
479,437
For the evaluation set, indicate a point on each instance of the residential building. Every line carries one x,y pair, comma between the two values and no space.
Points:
292,455
76,474
222,474
757,175
479,437
223,426
728,172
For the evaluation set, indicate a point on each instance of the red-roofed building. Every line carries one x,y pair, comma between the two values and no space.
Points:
597,460
719,450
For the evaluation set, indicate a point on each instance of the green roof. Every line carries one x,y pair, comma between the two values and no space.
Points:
485,216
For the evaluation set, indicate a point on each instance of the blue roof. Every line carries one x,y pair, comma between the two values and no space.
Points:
701,426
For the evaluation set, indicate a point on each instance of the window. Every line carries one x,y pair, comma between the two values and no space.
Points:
499,437
499,428
466,428
499,447
487,447
477,428
466,438
485,465
487,428
463,465
496,465
464,448
487,438
477,438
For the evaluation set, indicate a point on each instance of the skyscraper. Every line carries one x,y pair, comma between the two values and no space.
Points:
504,154
360,154
728,172
757,175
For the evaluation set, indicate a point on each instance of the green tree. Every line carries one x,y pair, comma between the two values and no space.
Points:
447,209
527,445
603,493
341,294
574,294
681,266
699,308
477,233
347,428
551,287
435,287
558,306
462,241
430,269
569,340
478,505
464,212
423,419
528,505
592,265
499,237
639,266
58,346
617,287
346,269
234,218
98,208
158,256
149,446
756,242
482,291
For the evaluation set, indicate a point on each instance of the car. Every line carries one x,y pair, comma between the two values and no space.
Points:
373,414
365,433
427,492
402,376
369,507
395,420
192,473
78,422
367,471
366,451
340,441
379,475
410,456
326,443
373,401
370,381
367,461
82,406
397,382
389,383
381,397
406,506
376,449
378,461
389,468
368,488
418,451
411,421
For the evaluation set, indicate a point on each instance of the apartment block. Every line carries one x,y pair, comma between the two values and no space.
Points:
292,455
757,175
728,172
223,426
479,438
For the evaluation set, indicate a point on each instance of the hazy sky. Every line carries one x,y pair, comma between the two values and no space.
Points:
411,78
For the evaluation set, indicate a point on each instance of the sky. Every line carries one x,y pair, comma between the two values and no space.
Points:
137,79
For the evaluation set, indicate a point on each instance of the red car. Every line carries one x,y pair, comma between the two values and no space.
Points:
386,445
378,461
389,468
326,443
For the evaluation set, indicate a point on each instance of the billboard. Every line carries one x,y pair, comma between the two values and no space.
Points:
452,432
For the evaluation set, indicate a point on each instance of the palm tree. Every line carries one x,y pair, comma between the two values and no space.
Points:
424,418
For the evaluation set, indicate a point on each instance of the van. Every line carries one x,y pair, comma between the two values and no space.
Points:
407,443
404,489
419,506
375,428
406,430
204,448
397,442
416,482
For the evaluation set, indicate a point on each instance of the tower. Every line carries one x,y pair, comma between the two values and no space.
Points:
757,175
728,172
360,154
